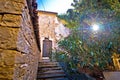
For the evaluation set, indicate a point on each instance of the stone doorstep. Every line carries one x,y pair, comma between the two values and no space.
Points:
45,76
45,59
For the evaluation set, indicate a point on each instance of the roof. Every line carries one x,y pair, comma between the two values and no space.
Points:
47,12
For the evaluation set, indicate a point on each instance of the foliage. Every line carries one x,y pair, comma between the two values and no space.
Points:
70,18
60,56
91,48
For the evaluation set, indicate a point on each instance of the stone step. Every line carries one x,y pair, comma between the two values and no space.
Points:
48,66
52,72
52,68
46,76
48,63
48,70
45,60
55,79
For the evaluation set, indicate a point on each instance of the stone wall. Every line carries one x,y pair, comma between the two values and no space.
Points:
18,44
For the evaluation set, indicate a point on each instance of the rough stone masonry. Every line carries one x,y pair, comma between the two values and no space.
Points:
19,45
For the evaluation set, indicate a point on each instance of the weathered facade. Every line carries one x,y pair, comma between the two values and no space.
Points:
47,25
50,27
18,44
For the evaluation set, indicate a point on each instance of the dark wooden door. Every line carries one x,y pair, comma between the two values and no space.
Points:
47,47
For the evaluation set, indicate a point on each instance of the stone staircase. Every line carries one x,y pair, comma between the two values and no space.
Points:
48,70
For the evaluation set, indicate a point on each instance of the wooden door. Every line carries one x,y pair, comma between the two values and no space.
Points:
47,47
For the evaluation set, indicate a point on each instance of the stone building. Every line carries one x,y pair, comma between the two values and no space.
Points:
18,43
50,28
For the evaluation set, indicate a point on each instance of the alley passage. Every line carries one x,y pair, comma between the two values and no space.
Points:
48,70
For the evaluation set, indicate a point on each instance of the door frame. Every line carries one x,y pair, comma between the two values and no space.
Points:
47,47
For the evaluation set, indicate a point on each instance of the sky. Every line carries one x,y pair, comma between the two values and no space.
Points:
59,6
